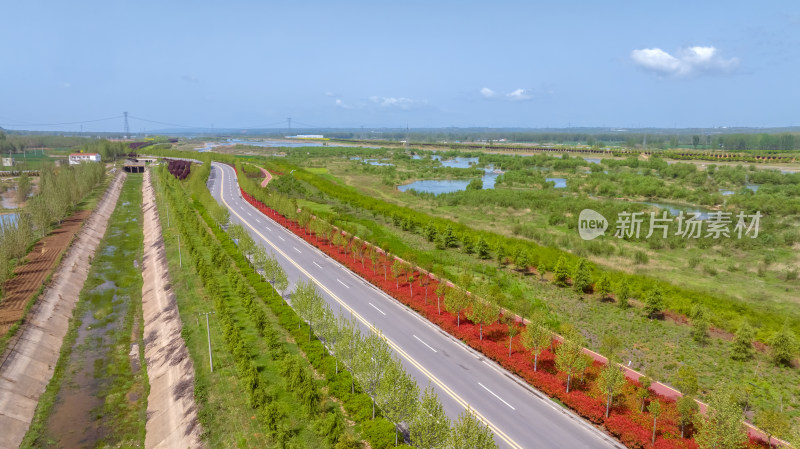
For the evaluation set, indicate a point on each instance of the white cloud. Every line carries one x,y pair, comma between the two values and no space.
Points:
396,102
342,104
66,85
190,79
519,95
331,94
515,95
488,93
687,61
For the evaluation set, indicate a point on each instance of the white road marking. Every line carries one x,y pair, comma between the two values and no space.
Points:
337,280
429,346
498,397
248,213
297,250
280,237
315,263
379,310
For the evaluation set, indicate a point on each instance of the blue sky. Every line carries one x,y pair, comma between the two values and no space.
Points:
388,64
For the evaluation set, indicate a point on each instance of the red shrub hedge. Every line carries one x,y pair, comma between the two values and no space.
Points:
632,427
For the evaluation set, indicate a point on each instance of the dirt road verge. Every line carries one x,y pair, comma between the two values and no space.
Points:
27,365
171,410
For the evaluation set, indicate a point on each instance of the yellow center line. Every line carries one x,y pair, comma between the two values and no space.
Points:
394,346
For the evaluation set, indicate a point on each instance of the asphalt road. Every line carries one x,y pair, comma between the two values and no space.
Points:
520,416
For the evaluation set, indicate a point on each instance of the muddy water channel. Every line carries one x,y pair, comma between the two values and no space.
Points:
98,400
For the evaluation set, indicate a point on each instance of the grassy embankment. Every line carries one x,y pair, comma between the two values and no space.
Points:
100,386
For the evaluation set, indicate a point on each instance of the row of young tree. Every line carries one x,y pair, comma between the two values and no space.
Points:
382,376
60,190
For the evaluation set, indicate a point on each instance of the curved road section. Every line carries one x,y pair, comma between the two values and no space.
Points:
520,416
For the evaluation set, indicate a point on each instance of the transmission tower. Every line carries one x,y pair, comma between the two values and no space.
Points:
127,129
289,119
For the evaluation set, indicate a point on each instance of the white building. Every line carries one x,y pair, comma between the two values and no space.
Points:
77,158
8,161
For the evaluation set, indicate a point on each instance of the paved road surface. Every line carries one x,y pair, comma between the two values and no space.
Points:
519,416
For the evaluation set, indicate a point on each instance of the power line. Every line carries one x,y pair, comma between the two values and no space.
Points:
165,123
65,123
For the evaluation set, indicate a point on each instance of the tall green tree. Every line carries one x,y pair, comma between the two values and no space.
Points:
398,270
687,410
773,422
700,323
742,346
456,301
441,290
783,346
570,358
482,312
603,286
347,347
482,249
513,328
371,360
581,276
469,432
536,338
623,294
653,303
429,428
561,272
611,382
397,394
686,380
721,426
655,411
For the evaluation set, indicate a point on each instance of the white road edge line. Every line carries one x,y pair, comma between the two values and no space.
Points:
337,280
429,346
373,306
498,397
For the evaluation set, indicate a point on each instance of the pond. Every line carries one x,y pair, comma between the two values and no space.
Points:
456,162
7,219
592,160
560,183
675,209
439,186
373,161
728,192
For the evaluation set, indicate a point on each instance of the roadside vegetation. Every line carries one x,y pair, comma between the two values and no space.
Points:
653,337
100,385
364,377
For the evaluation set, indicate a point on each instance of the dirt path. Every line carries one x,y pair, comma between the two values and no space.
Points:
28,364
171,410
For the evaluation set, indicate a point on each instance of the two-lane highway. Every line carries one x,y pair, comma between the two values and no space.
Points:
519,416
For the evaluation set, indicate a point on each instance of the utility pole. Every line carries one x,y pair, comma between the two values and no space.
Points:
208,333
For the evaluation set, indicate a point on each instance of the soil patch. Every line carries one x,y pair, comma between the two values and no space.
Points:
38,264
